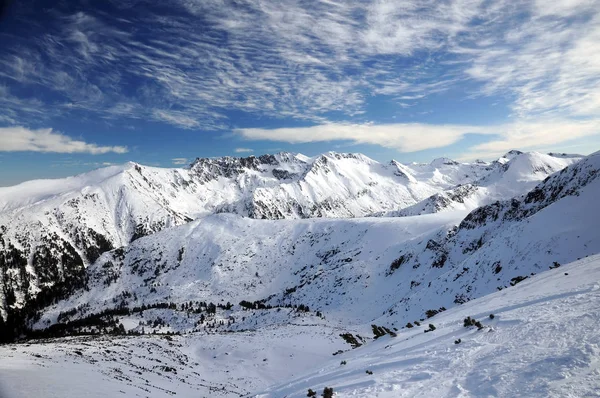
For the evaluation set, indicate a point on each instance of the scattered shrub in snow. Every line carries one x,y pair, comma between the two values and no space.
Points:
460,299
457,341
517,279
431,328
398,262
369,372
380,331
343,363
350,339
468,322
311,393
498,267
430,313
327,392
409,325
492,316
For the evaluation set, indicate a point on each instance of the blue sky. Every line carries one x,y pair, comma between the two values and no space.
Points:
85,83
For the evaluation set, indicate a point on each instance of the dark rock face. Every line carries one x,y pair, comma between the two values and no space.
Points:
283,174
208,169
211,169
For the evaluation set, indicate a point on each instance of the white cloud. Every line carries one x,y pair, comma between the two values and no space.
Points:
15,139
180,161
419,136
562,7
405,137
535,135
300,59
243,150
176,118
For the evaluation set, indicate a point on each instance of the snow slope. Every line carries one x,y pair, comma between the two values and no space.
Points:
199,365
330,264
542,342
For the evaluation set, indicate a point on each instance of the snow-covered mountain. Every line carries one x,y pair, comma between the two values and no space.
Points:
52,229
354,270
513,174
259,302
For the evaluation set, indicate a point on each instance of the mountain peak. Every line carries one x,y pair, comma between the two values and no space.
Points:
347,155
443,161
512,154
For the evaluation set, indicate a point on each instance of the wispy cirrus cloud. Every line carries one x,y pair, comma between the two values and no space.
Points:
308,60
548,64
17,139
243,150
281,59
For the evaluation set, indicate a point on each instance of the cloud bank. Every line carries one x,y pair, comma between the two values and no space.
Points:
16,139
412,137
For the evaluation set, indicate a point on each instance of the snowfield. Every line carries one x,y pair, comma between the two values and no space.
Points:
542,342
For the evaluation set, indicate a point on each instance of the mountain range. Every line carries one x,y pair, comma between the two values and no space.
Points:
334,245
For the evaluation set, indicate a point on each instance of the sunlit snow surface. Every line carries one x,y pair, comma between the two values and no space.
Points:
542,342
